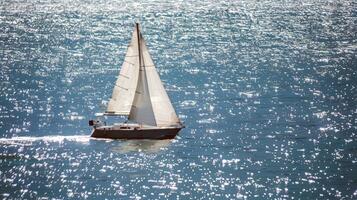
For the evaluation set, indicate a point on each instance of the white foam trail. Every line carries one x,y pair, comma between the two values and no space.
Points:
52,138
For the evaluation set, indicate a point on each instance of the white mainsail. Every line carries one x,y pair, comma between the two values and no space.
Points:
125,86
151,105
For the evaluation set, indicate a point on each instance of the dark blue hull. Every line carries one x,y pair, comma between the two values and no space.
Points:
155,133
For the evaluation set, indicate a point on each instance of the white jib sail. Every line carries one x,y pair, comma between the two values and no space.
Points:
152,105
125,86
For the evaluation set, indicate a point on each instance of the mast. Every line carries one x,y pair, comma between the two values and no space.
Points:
138,35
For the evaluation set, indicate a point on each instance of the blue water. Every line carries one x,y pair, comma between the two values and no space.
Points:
267,90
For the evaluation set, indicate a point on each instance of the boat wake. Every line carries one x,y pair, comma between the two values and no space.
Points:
27,140
123,146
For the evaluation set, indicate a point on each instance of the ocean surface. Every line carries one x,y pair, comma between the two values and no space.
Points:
267,90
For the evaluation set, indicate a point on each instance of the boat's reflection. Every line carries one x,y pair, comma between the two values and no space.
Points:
146,146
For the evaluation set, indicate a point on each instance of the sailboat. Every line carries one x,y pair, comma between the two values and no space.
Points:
140,96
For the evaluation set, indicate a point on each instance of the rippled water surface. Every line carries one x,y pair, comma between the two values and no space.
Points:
267,90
